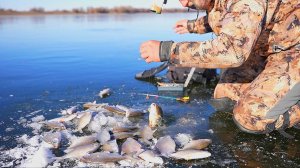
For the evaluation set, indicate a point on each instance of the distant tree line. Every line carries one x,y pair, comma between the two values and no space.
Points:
89,10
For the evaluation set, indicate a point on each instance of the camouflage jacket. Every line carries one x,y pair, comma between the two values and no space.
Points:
244,28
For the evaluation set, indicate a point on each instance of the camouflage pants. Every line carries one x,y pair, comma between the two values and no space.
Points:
260,87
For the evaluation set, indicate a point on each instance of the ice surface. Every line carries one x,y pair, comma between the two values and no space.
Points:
9,129
41,158
182,139
38,118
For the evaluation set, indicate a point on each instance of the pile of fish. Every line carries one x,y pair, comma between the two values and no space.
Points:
108,134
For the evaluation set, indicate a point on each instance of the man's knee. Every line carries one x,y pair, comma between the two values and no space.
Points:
230,90
247,122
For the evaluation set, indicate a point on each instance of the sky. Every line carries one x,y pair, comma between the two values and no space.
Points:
70,4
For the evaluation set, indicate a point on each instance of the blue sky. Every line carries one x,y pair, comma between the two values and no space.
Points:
69,4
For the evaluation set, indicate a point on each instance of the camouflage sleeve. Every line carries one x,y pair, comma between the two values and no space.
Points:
199,26
241,26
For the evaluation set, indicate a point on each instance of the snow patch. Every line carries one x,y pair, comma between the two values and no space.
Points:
38,118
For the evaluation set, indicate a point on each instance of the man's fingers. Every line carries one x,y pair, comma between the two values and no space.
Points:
148,60
143,45
178,24
178,30
143,49
144,55
183,32
150,51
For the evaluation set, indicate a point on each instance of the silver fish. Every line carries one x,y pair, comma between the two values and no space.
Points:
197,144
103,136
80,114
94,106
124,108
114,109
155,115
150,156
111,146
80,151
191,154
84,121
80,141
165,145
53,138
124,129
131,112
104,93
134,113
69,111
102,157
89,105
64,118
146,134
123,135
131,146
54,125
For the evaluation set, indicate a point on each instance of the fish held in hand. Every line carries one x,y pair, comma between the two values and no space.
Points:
155,115
191,154
197,144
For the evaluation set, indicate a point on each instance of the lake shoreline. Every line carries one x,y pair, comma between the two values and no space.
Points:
90,10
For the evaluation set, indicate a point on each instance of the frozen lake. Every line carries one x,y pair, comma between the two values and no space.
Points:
51,62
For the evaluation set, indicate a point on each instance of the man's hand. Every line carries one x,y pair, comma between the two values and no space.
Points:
150,51
181,27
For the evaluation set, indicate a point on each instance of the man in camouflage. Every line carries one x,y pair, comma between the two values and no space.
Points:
258,45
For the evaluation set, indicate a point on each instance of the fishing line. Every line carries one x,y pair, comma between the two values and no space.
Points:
181,99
